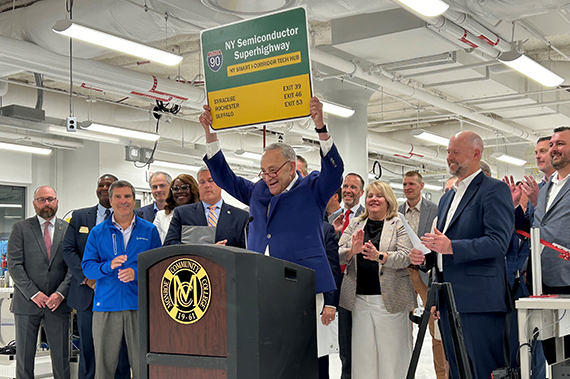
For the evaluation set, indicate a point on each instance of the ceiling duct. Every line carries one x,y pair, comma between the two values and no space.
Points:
509,10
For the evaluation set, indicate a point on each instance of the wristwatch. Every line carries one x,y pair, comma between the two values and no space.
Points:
322,130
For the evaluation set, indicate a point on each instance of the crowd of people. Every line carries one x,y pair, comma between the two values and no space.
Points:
367,272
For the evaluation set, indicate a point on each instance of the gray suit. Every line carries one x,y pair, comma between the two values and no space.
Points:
428,211
32,271
553,226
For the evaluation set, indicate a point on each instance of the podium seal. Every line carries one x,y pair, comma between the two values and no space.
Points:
185,291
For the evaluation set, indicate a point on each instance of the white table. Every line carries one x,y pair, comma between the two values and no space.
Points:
544,314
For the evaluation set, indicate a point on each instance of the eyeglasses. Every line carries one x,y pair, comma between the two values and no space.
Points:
43,200
271,174
184,188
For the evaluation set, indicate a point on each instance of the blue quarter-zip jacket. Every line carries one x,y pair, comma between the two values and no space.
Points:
105,242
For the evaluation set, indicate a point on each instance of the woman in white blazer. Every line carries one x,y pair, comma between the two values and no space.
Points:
377,287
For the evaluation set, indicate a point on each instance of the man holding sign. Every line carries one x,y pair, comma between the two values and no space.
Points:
286,210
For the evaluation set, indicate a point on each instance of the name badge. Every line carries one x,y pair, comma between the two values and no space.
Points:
84,229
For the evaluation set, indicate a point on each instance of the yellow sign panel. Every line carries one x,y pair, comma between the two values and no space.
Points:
186,291
264,64
288,98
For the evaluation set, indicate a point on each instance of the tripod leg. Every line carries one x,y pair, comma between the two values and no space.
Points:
463,363
422,331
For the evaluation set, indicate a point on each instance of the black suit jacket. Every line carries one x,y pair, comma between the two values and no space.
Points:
146,212
331,248
30,268
81,223
231,223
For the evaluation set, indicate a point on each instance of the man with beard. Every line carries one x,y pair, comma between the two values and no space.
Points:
474,227
41,283
552,215
81,291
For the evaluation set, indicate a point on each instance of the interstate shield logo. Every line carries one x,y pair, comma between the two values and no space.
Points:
215,60
185,290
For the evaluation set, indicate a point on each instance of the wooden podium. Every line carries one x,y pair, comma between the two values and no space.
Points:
220,312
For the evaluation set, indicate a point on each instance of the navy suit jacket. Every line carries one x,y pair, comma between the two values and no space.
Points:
231,223
331,245
146,212
82,221
480,232
290,223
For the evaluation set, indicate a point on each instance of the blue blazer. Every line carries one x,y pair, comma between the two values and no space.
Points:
146,212
231,223
82,221
480,232
291,223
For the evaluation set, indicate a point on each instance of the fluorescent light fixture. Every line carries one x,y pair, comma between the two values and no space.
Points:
531,69
432,187
248,155
430,137
508,159
337,109
10,205
24,149
130,133
89,34
180,166
428,8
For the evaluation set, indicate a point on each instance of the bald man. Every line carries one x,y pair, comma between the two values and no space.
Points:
474,228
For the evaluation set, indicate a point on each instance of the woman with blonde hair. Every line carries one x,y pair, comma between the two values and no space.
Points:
377,287
183,190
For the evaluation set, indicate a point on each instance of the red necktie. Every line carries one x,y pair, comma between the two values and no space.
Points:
346,219
47,238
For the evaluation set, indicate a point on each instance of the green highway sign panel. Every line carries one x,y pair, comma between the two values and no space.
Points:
259,70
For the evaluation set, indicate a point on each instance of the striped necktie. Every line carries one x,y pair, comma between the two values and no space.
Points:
212,216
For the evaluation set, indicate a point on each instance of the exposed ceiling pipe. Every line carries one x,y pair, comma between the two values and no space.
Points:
40,91
511,10
97,74
3,88
44,140
358,72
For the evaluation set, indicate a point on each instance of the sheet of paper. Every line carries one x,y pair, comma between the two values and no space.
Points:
416,242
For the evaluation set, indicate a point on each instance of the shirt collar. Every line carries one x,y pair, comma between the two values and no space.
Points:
42,220
118,226
465,182
557,181
353,209
218,204
155,207
418,206
101,209
292,182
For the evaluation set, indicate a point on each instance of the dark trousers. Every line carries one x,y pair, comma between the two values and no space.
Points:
56,326
484,340
345,341
87,352
324,367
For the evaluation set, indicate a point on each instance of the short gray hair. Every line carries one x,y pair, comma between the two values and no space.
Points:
167,176
485,168
202,169
287,152
121,184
